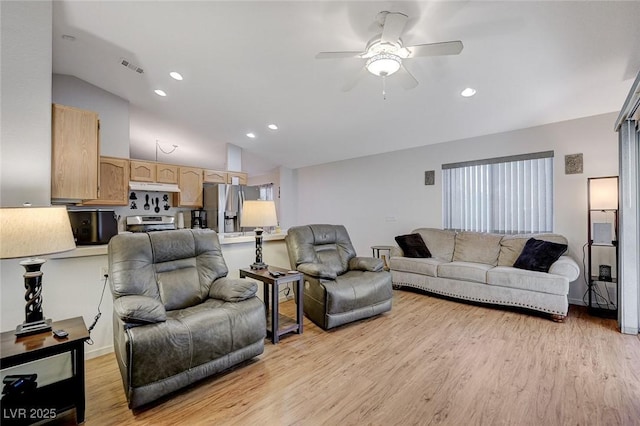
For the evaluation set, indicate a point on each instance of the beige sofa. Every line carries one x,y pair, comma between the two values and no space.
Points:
479,267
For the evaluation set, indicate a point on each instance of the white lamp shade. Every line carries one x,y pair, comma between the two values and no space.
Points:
256,214
34,231
603,193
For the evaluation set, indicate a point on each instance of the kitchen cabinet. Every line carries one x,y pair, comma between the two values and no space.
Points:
113,189
242,177
190,182
166,173
143,171
214,176
149,171
75,149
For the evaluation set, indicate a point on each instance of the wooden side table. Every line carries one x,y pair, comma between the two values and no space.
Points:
49,400
277,324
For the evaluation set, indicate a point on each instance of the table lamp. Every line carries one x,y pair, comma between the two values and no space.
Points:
258,214
31,232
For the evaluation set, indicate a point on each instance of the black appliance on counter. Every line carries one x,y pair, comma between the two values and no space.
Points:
93,226
199,219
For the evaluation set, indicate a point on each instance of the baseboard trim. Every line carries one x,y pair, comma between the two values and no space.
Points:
98,352
578,302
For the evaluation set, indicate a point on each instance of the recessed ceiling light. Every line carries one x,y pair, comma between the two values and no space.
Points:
176,75
468,92
273,127
251,135
160,92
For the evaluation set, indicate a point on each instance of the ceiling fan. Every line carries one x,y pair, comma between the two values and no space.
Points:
385,52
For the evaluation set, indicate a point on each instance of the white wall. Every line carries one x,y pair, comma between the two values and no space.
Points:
113,111
381,196
25,103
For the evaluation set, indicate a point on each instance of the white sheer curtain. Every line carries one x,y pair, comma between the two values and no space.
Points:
503,195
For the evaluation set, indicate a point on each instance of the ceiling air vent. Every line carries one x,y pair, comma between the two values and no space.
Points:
125,63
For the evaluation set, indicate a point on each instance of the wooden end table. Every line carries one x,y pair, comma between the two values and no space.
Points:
48,401
277,324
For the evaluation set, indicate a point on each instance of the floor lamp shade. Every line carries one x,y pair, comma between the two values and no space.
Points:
603,193
28,232
258,214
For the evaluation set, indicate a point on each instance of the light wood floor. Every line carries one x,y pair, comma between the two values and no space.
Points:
428,361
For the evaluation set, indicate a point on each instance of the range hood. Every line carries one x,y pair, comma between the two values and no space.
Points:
153,187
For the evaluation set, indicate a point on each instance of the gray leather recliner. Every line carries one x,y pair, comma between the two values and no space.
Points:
177,318
339,287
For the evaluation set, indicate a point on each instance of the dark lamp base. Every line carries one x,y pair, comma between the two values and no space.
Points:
260,265
28,328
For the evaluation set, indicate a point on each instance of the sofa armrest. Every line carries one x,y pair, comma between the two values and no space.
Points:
136,309
366,264
566,267
317,270
396,252
233,289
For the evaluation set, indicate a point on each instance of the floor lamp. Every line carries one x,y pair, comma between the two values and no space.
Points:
28,232
258,214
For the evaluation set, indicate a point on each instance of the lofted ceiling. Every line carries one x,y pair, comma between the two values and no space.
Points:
247,64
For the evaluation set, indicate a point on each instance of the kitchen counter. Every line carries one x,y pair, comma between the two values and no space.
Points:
101,250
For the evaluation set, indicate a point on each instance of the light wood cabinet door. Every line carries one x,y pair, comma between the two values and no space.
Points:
242,177
143,171
114,183
190,183
166,173
74,153
214,176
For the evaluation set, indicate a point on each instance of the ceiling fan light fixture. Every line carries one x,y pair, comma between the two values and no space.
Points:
383,64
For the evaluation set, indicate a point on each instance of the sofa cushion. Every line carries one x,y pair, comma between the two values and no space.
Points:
538,255
440,242
511,245
413,245
506,276
477,247
466,271
428,266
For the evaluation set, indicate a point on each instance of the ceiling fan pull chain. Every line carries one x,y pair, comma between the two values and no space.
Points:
384,87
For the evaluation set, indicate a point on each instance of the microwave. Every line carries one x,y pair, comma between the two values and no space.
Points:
93,226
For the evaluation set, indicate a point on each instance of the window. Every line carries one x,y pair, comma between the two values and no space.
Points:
507,195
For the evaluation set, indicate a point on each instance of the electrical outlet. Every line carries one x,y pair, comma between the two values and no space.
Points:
104,270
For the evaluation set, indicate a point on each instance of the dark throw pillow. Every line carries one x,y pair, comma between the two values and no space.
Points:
539,255
413,245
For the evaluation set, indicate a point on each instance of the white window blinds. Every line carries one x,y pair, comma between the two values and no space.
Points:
502,195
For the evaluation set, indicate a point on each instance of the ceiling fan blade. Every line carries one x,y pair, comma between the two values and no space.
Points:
436,49
337,55
406,79
394,23
355,80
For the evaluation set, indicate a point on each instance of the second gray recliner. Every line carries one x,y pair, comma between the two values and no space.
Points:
339,287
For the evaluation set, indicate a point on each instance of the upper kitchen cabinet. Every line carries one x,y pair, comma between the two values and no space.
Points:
148,171
74,153
114,183
241,178
190,181
166,173
214,176
143,171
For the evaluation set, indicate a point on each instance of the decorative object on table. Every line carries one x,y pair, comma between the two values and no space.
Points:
258,214
573,164
602,240
30,232
430,177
